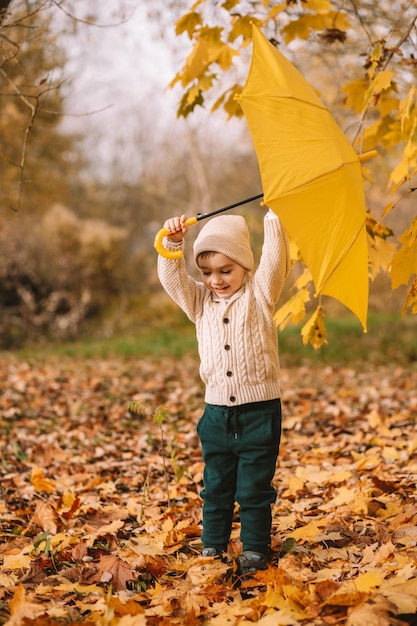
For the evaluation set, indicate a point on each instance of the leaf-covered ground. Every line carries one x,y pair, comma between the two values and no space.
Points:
100,508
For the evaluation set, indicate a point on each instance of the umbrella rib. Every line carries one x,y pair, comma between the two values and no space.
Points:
296,188
243,96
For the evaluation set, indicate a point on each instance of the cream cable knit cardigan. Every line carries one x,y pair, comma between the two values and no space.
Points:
237,340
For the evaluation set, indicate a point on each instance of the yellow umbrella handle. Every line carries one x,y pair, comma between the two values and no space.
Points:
158,245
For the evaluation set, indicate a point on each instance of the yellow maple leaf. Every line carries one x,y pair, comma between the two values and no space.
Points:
242,27
380,255
232,106
294,484
404,262
289,608
22,560
355,94
188,23
375,57
301,27
406,168
318,5
40,482
406,106
369,580
308,531
224,56
387,104
344,495
337,20
411,300
205,51
229,4
21,608
381,82
314,331
275,11
345,597
294,310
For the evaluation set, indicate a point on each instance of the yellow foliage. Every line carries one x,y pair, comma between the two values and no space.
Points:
321,17
40,482
377,229
320,6
293,310
188,23
208,49
355,94
369,581
22,608
201,55
309,531
375,57
314,331
229,4
387,104
301,27
225,56
242,27
21,560
411,299
381,82
406,167
231,105
404,263
380,253
274,11
379,91
407,108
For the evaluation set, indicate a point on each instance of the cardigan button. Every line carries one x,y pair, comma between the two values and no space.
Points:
227,347
226,320
232,398
229,373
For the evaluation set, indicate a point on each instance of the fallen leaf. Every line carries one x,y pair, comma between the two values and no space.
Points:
112,569
40,482
44,516
377,610
22,608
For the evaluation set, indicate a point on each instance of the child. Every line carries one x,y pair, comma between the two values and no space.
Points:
240,429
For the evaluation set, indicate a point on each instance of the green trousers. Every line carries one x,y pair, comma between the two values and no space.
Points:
240,448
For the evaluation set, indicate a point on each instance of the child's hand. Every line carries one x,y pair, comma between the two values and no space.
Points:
177,228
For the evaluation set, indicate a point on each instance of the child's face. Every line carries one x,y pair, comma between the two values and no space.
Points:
221,275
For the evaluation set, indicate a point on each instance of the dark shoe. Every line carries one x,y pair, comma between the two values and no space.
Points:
210,552
252,561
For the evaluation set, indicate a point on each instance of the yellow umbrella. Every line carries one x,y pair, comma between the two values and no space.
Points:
311,176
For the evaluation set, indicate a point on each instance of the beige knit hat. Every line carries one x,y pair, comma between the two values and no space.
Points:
229,235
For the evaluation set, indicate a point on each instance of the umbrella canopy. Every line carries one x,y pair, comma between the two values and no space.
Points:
311,176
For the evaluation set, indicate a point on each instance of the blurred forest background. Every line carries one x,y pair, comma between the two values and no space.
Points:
93,159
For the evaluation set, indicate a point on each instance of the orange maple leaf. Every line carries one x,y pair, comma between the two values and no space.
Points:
112,568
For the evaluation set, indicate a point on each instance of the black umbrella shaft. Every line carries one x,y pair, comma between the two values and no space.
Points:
203,216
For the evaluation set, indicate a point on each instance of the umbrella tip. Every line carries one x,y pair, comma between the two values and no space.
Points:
365,156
